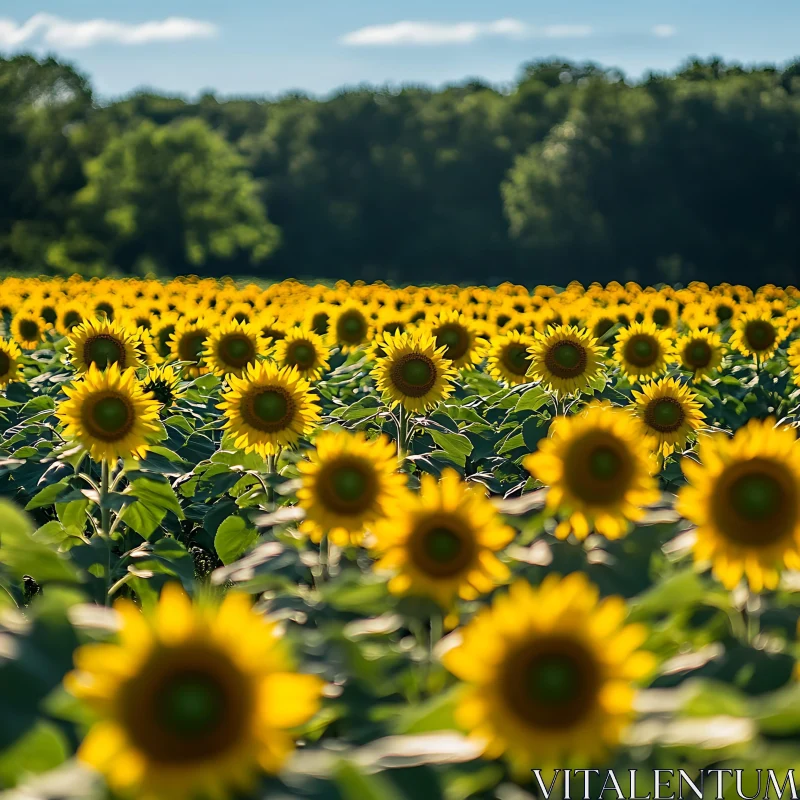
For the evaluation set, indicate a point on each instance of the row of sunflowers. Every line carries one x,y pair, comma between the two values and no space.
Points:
362,542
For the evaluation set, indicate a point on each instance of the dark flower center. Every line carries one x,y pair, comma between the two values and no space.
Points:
661,317
665,414
352,328
270,406
106,309
72,319
5,364
566,360
29,330
109,418
414,374
103,350
237,350
191,346
724,312
191,705
455,339
516,359
300,354
698,354
319,322
760,335
442,545
641,350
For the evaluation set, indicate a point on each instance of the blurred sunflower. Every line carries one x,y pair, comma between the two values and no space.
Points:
164,384
161,332
756,334
350,327
643,351
70,315
600,470
670,412
188,343
700,352
191,701
349,483
305,350
565,359
233,346
441,542
464,346
109,413
744,498
414,372
103,343
509,358
10,355
28,328
550,674
268,408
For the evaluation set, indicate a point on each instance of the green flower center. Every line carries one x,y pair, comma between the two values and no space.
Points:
443,545
756,497
270,406
349,484
301,355
661,317
553,679
192,347
604,463
567,355
29,330
760,335
111,414
417,372
163,337
724,313
104,350
455,339
641,350
699,354
191,705
517,359
237,350
665,414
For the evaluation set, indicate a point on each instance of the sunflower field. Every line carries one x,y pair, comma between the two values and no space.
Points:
369,543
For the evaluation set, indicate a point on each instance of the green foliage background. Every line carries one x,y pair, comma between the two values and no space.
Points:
571,172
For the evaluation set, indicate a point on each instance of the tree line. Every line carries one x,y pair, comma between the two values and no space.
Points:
572,172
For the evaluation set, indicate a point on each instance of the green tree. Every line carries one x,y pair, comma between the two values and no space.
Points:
174,198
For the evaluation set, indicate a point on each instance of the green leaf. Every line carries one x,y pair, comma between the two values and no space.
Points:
42,748
234,538
49,495
435,714
455,445
73,514
356,785
143,518
156,494
532,399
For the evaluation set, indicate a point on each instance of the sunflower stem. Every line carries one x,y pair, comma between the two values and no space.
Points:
402,433
270,472
323,557
105,522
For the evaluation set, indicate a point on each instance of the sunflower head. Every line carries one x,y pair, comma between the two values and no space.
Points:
102,343
28,328
670,412
414,372
643,351
10,356
549,673
350,327
700,352
509,358
192,700
349,483
756,334
304,350
463,345
599,469
163,383
566,360
441,543
232,347
109,413
188,344
744,497
268,408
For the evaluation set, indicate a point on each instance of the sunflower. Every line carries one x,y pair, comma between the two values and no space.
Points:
642,351
755,334
744,498
441,542
509,358
565,359
233,346
700,352
188,343
414,372
348,484
268,408
161,332
103,343
550,674
69,317
670,412
191,701
28,328
302,348
164,384
10,355
599,468
350,327
464,346
109,413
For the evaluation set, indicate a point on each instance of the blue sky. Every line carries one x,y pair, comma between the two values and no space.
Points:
269,47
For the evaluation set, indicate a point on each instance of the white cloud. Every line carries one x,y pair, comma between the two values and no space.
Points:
60,32
664,31
429,33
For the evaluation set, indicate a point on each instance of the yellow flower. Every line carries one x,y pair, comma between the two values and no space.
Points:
599,469
744,498
464,346
164,384
550,674
441,542
670,412
10,355
565,359
509,358
348,484
268,408
643,351
69,317
192,701
233,346
350,327
28,328
755,334
305,350
700,352
103,343
414,372
188,343
109,414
